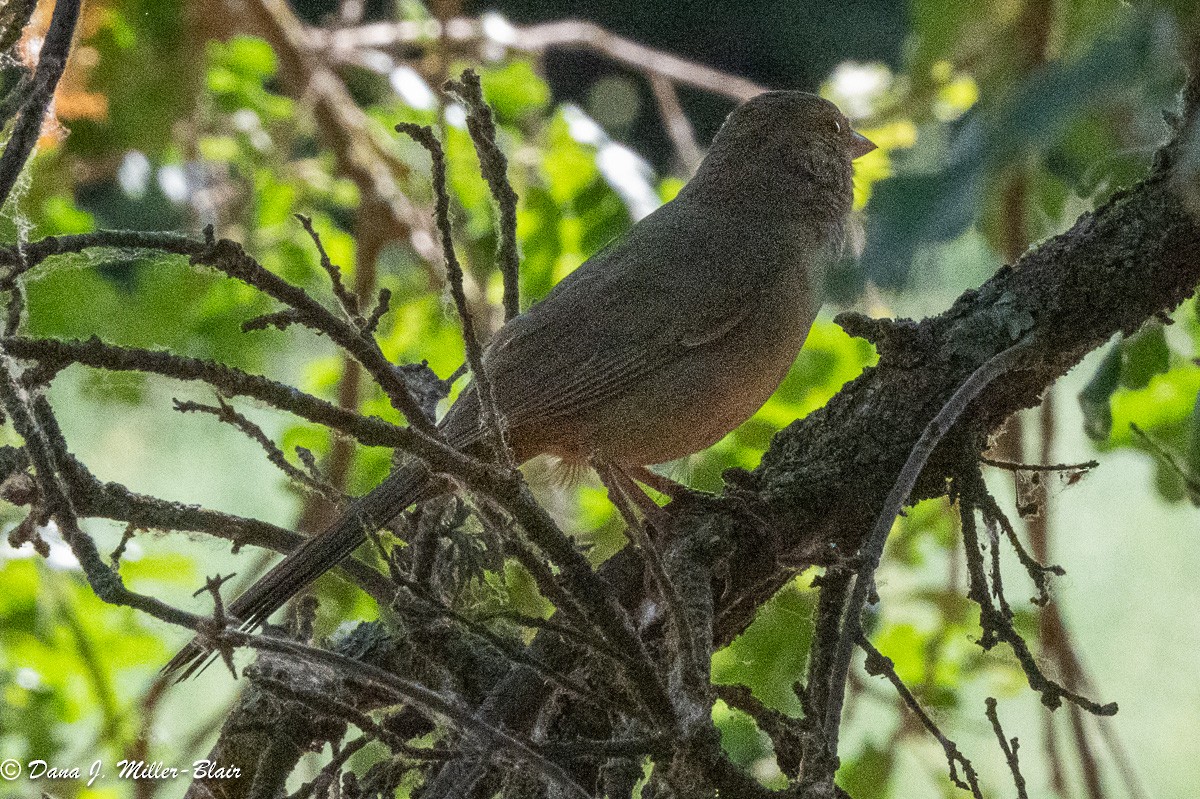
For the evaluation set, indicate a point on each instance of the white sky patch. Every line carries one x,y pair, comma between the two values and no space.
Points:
173,182
412,88
629,175
27,678
133,551
247,122
456,116
582,127
376,61
134,173
856,88
498,29
61,557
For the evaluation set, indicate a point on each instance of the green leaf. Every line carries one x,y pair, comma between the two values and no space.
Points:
770,656
248,57
868,775
740,737
1095,399
515,90
1192,457
1144,355
1164,405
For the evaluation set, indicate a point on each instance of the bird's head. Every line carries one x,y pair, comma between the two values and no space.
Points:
786,145
792,120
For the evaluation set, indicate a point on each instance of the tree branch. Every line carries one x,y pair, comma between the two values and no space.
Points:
52,61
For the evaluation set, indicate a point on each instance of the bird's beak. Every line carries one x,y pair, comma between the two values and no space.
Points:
860,145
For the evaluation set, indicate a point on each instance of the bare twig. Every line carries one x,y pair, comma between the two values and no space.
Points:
345,297
781,729
872,549
418,694
226,413
1009,747
997,576
53,355
327,702
52,60
32,418
997,627
618,489
1038,572
14,309
1085,466
229,257
342,45
328,772
493,420
382,306
880,665
515,652
494,167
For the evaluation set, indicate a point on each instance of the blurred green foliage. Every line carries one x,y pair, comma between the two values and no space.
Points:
215,138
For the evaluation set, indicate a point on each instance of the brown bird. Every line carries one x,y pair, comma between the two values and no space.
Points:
659,344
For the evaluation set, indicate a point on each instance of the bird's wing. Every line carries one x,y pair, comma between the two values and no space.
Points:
618,318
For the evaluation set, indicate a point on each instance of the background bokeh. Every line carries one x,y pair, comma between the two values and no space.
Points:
998,124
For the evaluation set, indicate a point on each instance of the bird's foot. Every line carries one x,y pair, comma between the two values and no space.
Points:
663,485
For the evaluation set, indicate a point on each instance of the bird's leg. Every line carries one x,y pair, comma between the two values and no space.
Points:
663,485
625,493
682,493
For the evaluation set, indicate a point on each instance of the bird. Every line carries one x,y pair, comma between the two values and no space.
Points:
658,345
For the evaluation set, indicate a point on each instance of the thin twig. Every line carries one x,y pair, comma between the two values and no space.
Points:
536,39
230,258
493,421
345,297
467,721
1009,747
326,702
997,576
617,493
599,646
1085,466
996,626
780,728
1037,571
326,775
383,304
14,310
52,61
871,551
515,652
33,420
564,602
54,355
879,665
494,167
226,413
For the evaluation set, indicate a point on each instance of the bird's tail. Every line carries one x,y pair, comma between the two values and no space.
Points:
311,559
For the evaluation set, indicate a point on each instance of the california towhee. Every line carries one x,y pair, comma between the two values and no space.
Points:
659,344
